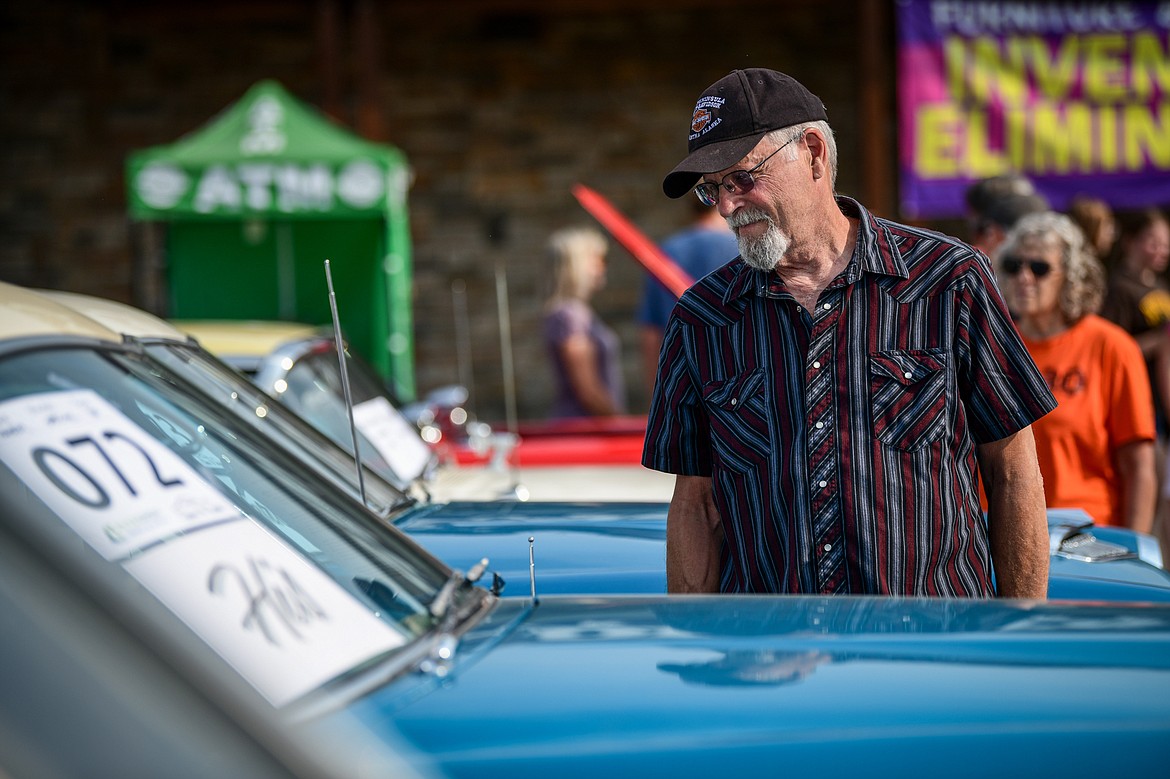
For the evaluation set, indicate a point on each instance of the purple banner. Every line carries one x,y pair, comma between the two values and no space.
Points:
1074,95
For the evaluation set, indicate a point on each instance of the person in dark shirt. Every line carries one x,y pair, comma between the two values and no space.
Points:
1138,297
830,399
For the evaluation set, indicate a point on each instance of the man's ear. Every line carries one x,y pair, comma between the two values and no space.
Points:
818,151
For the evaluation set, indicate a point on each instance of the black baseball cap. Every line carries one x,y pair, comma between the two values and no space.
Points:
731,117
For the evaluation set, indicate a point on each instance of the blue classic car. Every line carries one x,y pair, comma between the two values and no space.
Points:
112,461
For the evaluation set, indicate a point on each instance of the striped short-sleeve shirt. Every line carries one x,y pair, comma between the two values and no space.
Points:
841,441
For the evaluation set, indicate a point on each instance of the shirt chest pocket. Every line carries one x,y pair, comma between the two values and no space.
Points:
908,394
738,411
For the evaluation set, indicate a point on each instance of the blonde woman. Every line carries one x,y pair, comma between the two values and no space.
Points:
1096,450
585,353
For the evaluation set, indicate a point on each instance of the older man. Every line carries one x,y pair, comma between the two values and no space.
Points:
829,400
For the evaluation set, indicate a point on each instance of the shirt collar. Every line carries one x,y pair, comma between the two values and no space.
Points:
875,252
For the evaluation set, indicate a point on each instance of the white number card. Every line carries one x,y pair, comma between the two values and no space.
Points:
116,486
395,439
282,623
278,620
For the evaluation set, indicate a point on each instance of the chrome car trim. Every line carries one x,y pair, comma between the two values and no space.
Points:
1090,549
431,655
1070,536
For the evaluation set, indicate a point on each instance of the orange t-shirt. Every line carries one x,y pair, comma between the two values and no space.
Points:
1097,373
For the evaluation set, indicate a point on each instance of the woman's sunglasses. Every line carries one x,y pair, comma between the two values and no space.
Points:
1013,265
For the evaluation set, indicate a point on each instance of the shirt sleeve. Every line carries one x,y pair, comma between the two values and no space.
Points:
1131,402
1002,390
677,428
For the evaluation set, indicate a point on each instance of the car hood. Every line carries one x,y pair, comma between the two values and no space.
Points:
577,548
700,686
600,548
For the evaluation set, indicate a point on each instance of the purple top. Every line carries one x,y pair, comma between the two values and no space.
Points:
564,319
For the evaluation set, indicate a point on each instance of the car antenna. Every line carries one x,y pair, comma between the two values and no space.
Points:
357,456
532,567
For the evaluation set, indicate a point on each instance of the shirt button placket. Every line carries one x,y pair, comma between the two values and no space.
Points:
822,451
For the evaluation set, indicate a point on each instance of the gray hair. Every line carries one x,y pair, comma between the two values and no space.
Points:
1084,276
785,134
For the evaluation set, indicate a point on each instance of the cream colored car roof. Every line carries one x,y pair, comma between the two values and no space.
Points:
25,313
222,337
119,317
244,338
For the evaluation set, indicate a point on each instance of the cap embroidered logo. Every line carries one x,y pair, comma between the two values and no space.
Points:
700,119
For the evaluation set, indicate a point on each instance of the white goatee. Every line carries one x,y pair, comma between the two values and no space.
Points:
764,252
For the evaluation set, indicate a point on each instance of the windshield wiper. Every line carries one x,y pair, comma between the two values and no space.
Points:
438,662
403,502
442,600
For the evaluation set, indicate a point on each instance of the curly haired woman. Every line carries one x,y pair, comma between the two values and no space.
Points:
1096,450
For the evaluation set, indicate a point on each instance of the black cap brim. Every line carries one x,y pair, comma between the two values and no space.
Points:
711,158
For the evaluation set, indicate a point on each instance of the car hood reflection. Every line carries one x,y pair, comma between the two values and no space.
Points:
730,685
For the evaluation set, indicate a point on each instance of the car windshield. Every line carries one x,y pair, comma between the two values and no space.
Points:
319,370
284,575
307,378
225,386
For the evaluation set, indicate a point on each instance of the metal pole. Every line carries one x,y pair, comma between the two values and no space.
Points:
506,346
463,339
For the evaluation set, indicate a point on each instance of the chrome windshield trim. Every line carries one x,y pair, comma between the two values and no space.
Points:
342,692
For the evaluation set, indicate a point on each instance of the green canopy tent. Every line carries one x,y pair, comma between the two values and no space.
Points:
255,202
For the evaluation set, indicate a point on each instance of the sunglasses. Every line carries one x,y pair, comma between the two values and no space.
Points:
736,182
1013,265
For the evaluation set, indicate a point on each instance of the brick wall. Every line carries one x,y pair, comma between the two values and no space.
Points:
500,108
